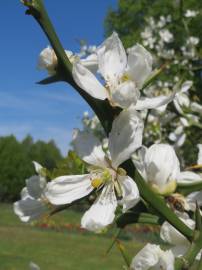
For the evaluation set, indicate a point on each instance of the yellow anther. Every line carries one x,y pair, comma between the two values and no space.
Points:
121,171
125,78
96,182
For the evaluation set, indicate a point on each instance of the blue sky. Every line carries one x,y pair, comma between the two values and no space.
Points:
52,111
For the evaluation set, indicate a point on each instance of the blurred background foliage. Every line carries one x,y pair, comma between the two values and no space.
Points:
133,18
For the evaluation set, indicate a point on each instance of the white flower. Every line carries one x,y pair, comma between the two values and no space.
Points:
193,41
153,256
166,35
195,107
33,202
123,75
159,166
33,266
170,235
181,98
178,135
124,138
48,60
191,13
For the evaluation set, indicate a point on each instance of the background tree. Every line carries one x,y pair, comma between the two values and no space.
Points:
16,163
166,28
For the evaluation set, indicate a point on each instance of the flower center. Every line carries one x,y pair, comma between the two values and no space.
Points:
100,177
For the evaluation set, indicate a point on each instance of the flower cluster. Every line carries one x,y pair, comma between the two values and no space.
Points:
118,76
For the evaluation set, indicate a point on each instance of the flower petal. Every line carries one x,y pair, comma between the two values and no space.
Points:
146,257
138,159
139,64
195,197
186,86
112,58
125,94
68,188
199,160
161,165
172,236
89,148
91,62
47,60
33,266
102,212
153,103
125,136
85,79
38,167
130,192
188,177
29,209
35,186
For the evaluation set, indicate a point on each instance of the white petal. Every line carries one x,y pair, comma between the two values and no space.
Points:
88,82
199,160
29,209
188,177
166,260
102,212
130,193
161,164
180,250
146,258
180,140
89,148
125,136
152,103
195,197
47,60
186,86
195,107
91,62
139,64
112,58
68,188
24,193
33,266
38,167
35,186
172,236
138,159
125,94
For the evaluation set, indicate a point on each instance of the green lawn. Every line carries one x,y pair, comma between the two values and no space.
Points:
51,250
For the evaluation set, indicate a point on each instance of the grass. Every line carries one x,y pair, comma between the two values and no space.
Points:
55,250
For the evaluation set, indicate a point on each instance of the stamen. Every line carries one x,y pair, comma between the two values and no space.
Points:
97,182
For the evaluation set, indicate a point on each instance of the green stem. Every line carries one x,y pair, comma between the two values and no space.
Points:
188,259
141,218
38,11
122,250
186,189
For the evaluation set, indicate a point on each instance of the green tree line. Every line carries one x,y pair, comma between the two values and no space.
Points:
16,163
